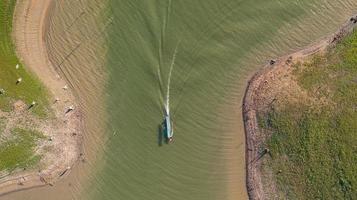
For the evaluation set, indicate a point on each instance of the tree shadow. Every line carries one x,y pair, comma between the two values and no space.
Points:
261,155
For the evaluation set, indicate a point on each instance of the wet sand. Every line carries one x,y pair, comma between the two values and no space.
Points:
260,92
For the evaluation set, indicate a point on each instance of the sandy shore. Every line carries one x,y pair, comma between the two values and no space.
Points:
256,97
30,24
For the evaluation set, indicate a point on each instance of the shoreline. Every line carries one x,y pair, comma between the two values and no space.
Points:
30,23
254,138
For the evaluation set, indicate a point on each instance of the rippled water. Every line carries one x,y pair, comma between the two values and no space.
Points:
215,41
219,45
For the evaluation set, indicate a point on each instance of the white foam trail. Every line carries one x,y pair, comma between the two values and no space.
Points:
169,80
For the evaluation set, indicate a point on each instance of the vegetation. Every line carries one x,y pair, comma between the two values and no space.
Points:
2,125
30,89
18,152
314,147
17,149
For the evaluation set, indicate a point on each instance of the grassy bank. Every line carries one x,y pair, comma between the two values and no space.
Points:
30,89
17,152
313,147
17,146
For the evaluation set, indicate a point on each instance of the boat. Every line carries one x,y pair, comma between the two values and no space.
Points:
168,128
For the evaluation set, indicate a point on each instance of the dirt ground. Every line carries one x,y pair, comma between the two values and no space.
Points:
64,128
275,83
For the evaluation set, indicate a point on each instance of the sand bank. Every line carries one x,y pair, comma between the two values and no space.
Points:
254,100
30,24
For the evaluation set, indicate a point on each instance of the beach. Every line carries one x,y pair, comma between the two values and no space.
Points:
65,128
259,94
46,37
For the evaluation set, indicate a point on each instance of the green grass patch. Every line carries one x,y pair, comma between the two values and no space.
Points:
30,89
3,122
314,148
18,152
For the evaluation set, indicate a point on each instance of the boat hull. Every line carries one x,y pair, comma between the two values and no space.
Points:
168,131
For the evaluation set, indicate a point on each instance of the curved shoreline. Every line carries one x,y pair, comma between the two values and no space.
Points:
29,27
254,138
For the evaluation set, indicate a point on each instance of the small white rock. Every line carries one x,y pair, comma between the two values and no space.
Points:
65,87
17,66
19,80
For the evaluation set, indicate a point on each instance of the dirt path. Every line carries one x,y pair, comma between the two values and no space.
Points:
260,92
65,128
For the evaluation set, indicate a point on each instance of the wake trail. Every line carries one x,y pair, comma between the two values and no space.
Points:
169,80
159,72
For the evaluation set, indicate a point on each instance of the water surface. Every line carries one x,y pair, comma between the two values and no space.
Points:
212,46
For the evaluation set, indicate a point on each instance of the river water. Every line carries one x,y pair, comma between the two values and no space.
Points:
120,76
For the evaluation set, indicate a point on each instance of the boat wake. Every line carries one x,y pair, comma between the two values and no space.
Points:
168,125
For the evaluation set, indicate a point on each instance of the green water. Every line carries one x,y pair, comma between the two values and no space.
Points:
216,42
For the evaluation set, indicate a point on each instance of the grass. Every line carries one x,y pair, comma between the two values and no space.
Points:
19,151
314,148
2,125
30,89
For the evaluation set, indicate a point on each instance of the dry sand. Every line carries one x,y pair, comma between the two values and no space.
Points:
264,88
65,128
